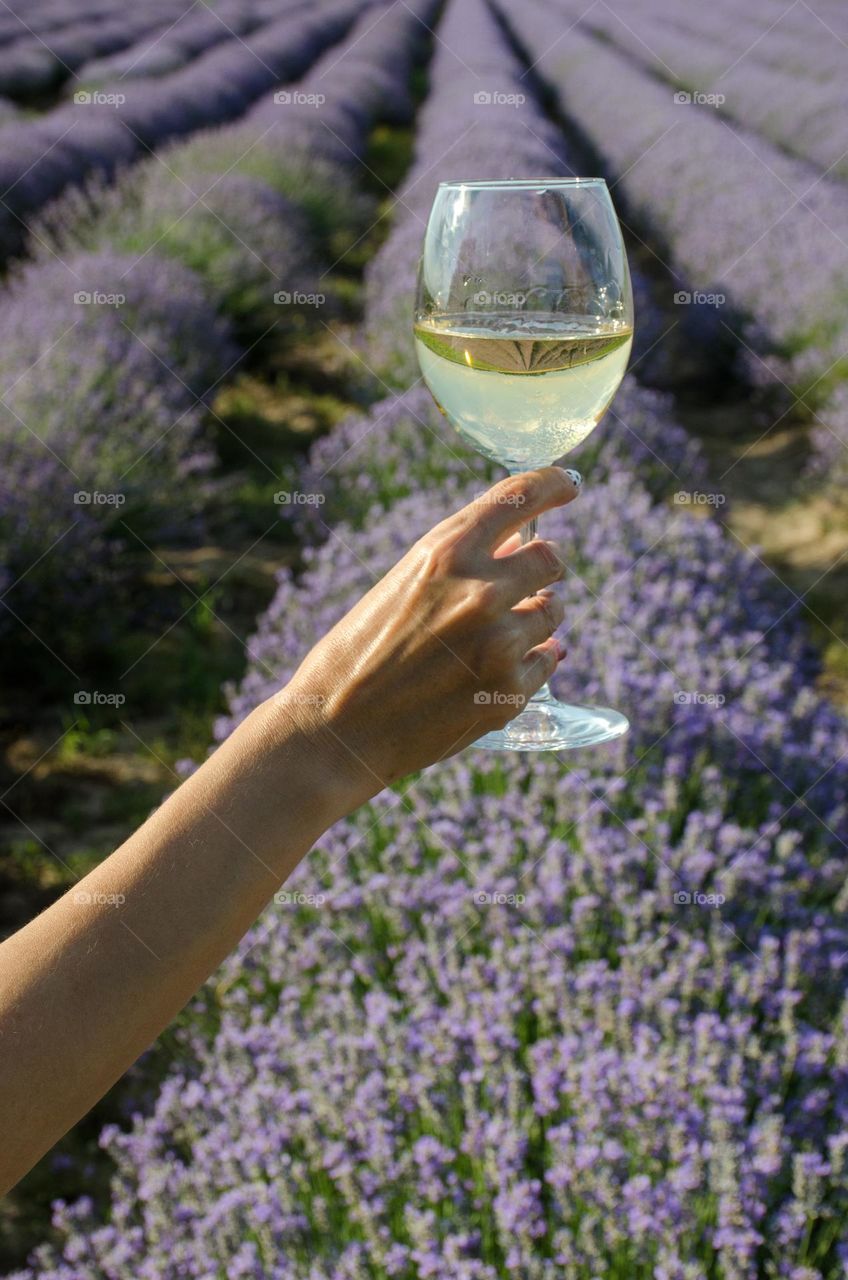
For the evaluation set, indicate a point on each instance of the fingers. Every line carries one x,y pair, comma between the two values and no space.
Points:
537,564
537,618
520,663
503,509
512,543
540,664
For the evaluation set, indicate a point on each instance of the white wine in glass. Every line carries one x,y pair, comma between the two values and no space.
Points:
523,330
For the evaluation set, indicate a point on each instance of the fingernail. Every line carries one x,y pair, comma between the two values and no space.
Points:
561,650
575,477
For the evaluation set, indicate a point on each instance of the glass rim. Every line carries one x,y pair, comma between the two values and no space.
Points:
506,183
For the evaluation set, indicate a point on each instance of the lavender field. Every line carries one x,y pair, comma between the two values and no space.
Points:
572,1015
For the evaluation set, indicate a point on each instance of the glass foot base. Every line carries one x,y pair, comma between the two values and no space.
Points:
549,725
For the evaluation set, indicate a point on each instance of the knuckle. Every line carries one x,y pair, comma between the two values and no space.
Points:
556,610
485,598
521,489
547,607
513,489
435,555
549,560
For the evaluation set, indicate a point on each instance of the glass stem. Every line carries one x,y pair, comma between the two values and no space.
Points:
529,531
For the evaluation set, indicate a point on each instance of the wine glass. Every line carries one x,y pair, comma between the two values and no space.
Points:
523,330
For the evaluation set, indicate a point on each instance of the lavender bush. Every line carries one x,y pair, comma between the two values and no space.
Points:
101,364
244,239
46,17
102,449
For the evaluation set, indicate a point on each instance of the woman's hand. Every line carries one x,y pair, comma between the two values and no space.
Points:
448,645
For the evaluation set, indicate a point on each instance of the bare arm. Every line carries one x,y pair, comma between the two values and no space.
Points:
91,982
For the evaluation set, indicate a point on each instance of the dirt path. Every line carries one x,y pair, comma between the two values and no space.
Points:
798,528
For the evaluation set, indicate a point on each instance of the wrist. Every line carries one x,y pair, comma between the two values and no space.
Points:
312,767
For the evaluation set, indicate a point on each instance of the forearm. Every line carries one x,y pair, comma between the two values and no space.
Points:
90,983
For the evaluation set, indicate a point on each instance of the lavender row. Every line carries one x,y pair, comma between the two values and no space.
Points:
245,206
124,120
26,23
399,875
805,115
192,34
36,62
798,38
101,397
745,223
